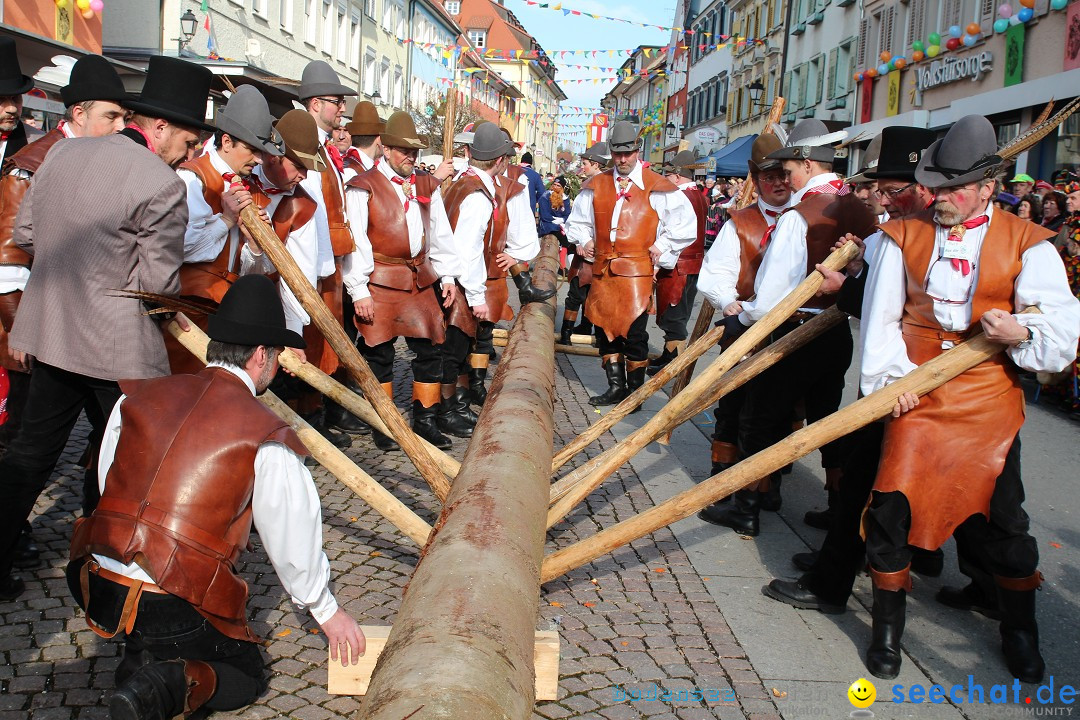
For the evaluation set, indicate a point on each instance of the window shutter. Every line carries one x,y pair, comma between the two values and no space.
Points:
986,15
804,81
952,13
820,65
864,28
888,27
832,74
916,15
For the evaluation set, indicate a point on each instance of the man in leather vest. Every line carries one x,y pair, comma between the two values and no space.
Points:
730,267
365,129
822,210
676,288
629,221
493,231
594,161
189,464
404,247
951,460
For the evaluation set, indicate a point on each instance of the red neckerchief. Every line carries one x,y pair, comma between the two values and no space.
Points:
623,193
233,180
149,142
5,134
775,214
956,234
408,190
335,155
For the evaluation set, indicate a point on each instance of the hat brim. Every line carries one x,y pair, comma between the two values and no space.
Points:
154,111
76,96
312,162
236,333
934,180
331,89
400,142
816,153
889,174
624,147
234,129
764,166
26,86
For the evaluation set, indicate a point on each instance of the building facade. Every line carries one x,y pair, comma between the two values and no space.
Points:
821,61
708,79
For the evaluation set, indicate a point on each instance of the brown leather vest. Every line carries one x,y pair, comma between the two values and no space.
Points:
828,218
12,191
514,172
177,498
495,237
750,226
691,258
292,213
212,279
341,238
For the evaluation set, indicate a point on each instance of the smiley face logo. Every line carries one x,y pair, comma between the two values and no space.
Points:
862,693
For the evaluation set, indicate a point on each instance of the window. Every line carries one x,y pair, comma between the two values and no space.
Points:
311,20
478,38
354,45
721,96
398,87
388,15
842,68
399,24
369,72
384,80
327,42
258,7
369,8
285,15
453,7
342,35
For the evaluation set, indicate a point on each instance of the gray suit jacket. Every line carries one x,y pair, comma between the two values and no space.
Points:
101,214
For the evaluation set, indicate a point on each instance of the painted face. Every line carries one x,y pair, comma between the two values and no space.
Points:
900,198
798,172
954,205
402,160
773,187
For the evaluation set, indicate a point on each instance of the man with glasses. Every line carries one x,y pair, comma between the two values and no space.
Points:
727,279
951,460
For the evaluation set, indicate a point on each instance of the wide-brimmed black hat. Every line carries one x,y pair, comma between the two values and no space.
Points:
967,153
319,78
251,314
247,117
624,137
488,142
175,90
93,78
809,140
901,150
598,153
12,80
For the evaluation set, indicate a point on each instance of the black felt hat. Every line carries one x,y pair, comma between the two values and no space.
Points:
93,78
175,90
901,150
12,80
251,314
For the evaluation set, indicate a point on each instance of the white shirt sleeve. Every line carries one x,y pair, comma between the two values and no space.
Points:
1042,282
783,267
288,515
15,277
579,229
107,449
440,235
473,218
678,225
884,353
325,263
206,232
522,241
720,271
356,267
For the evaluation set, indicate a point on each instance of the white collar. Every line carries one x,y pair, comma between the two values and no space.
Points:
388,171
218,162
635,176
65,128
687,183
322,135
261,176
988,212
238,372
816,181
485,178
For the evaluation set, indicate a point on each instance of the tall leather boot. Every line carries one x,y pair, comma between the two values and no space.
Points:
671,351
339,417
1019,630
452,417
425,407
385,442
584,327
568,319
615,370
771,499
163,690
890,598
464,395
527,292
822,519
478,369
741,514
635,377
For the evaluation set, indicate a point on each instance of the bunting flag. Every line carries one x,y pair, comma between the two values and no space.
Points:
558,7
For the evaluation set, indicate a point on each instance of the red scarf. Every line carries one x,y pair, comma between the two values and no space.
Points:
409,194
335,155
149,142
956,234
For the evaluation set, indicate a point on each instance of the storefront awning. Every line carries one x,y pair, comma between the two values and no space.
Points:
731,159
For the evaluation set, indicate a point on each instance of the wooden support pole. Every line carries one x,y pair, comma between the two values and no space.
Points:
335,461
741,347
701,326
347,353
575,339
920,381
462,644
449,122
705,397
565,349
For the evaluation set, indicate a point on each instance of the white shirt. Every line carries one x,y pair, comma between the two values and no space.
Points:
357,266
720,271
1042,283
474,215
207,232
675,232
285,508
312,184
366,162
783,265
309,246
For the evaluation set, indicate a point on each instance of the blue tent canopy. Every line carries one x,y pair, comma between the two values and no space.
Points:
731,159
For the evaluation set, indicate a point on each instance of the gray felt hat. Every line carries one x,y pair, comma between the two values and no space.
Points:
624,137
247,117
967,153
598,153
489,142
319,78
680,164
809,140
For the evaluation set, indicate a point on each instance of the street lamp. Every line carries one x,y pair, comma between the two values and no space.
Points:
188,21
756,88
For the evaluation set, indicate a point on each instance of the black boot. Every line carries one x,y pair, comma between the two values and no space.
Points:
741,515
341,419
1020,635
527,292
724,456
615,370
659,363
463,394
771,499
452,417
970,597
928,563
477,388
584,327
635,378
317,420
822,519
565,333
27,553
163,690
383,442
424,424
883,657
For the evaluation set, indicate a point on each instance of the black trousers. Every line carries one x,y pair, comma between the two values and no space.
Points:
815,373
576,295
426,366
727,412
635,346
675,319
1002,545
455,355
54,401
169,628
484,342
18,389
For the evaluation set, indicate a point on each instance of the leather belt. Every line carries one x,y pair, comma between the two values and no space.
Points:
391,260
131,603
933,333
614,255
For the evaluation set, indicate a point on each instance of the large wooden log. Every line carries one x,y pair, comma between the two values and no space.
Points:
462,643
742,346
347,353
877,405
335,461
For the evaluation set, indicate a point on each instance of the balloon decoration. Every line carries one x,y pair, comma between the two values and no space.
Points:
1001,25
1028,3
955,31
86,8
900,63
933,51
885,57
934,39
917,56
883,69
1005,10
1025,14
918,46
1058,4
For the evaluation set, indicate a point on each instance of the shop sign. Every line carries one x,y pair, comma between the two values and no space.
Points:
942,72
707,135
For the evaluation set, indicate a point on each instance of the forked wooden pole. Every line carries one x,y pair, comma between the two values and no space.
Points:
741,347
877,405
335,461
347,353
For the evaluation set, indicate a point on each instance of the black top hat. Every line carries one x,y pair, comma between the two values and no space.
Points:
488,142
93,78
319,78
175,90
901,148
809,140
967,153
251,314
247,117
12,80
624,137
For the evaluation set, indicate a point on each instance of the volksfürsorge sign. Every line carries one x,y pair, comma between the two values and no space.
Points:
952,69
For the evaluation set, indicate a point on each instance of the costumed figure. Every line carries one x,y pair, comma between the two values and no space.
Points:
594,161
